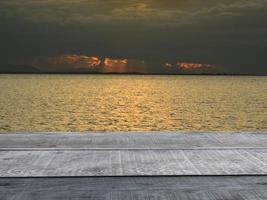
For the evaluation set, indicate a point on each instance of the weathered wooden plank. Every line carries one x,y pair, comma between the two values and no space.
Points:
133,154
132,162
135,188
147,140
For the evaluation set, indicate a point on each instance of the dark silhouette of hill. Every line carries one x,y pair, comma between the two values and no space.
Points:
8,68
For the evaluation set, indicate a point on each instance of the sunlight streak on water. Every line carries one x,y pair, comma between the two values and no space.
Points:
132,103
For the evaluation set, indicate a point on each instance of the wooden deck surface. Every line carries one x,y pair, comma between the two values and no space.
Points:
132,162
135,188
123,140
208,166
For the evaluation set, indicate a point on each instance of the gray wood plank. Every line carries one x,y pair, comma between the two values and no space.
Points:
146,140
132,162
133,154
135,188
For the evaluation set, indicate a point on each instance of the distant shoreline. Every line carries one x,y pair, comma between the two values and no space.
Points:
133,74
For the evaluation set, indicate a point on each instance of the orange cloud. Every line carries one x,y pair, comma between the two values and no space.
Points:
115,65
186,65
78,60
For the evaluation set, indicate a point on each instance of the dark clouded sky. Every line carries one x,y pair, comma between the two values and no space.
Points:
228,36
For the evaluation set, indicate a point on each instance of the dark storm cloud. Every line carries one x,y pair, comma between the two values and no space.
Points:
229,33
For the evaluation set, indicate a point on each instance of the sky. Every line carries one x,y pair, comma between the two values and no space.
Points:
150,36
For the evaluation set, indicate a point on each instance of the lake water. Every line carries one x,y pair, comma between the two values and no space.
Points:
132,103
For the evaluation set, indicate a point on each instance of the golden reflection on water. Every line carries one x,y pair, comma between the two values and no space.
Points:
132,103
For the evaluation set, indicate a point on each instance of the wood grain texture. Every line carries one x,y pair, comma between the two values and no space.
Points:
135,188
132,162
146,140
158,159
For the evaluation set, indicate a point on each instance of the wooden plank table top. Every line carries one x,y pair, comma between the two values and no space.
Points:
150,165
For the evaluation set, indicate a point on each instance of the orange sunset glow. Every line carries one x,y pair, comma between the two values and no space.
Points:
115,65
73,59
92,62
186,65
121,65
